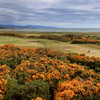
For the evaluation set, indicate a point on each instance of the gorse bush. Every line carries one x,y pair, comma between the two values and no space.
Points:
43,74
12,63
92,62
31,90
62,38
12,34
86,41
75,39
36,89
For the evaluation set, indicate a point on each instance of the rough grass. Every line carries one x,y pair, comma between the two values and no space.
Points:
52,44
83,48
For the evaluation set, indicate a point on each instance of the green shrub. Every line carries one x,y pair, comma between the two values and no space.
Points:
21,77
30,90
13,62
93,98
37,88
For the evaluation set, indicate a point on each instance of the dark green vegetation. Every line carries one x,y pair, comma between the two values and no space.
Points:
30,90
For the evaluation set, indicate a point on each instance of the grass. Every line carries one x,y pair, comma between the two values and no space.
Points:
24,42
92,46
83,48
18,41
44,43
52,44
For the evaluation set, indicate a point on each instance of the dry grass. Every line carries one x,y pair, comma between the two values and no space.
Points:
83,48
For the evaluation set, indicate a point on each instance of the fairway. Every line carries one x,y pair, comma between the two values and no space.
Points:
52,44
83,48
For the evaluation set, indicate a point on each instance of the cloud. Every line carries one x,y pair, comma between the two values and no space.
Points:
61,13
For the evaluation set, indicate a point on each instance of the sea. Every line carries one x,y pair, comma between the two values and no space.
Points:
54,29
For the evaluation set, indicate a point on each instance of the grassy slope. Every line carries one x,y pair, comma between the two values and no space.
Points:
52,44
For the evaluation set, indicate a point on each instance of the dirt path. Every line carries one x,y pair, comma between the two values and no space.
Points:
79,48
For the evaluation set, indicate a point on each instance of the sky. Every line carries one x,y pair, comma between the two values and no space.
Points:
57,13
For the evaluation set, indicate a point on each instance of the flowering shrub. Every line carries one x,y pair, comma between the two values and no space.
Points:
62,38
68,90
3,82
75,39
86,41
92,62
38,98
39,73
12,34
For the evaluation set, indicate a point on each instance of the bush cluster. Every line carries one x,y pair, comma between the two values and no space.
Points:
62,38
43,74
29,91
75,39
13,34
86,41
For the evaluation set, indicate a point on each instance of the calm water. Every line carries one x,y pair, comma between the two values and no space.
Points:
56,29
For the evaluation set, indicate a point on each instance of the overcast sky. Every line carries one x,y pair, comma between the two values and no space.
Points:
59,13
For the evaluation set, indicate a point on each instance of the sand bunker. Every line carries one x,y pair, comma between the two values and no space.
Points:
33,42
67,49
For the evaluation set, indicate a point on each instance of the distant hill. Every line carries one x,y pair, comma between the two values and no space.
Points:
25,26
2,27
